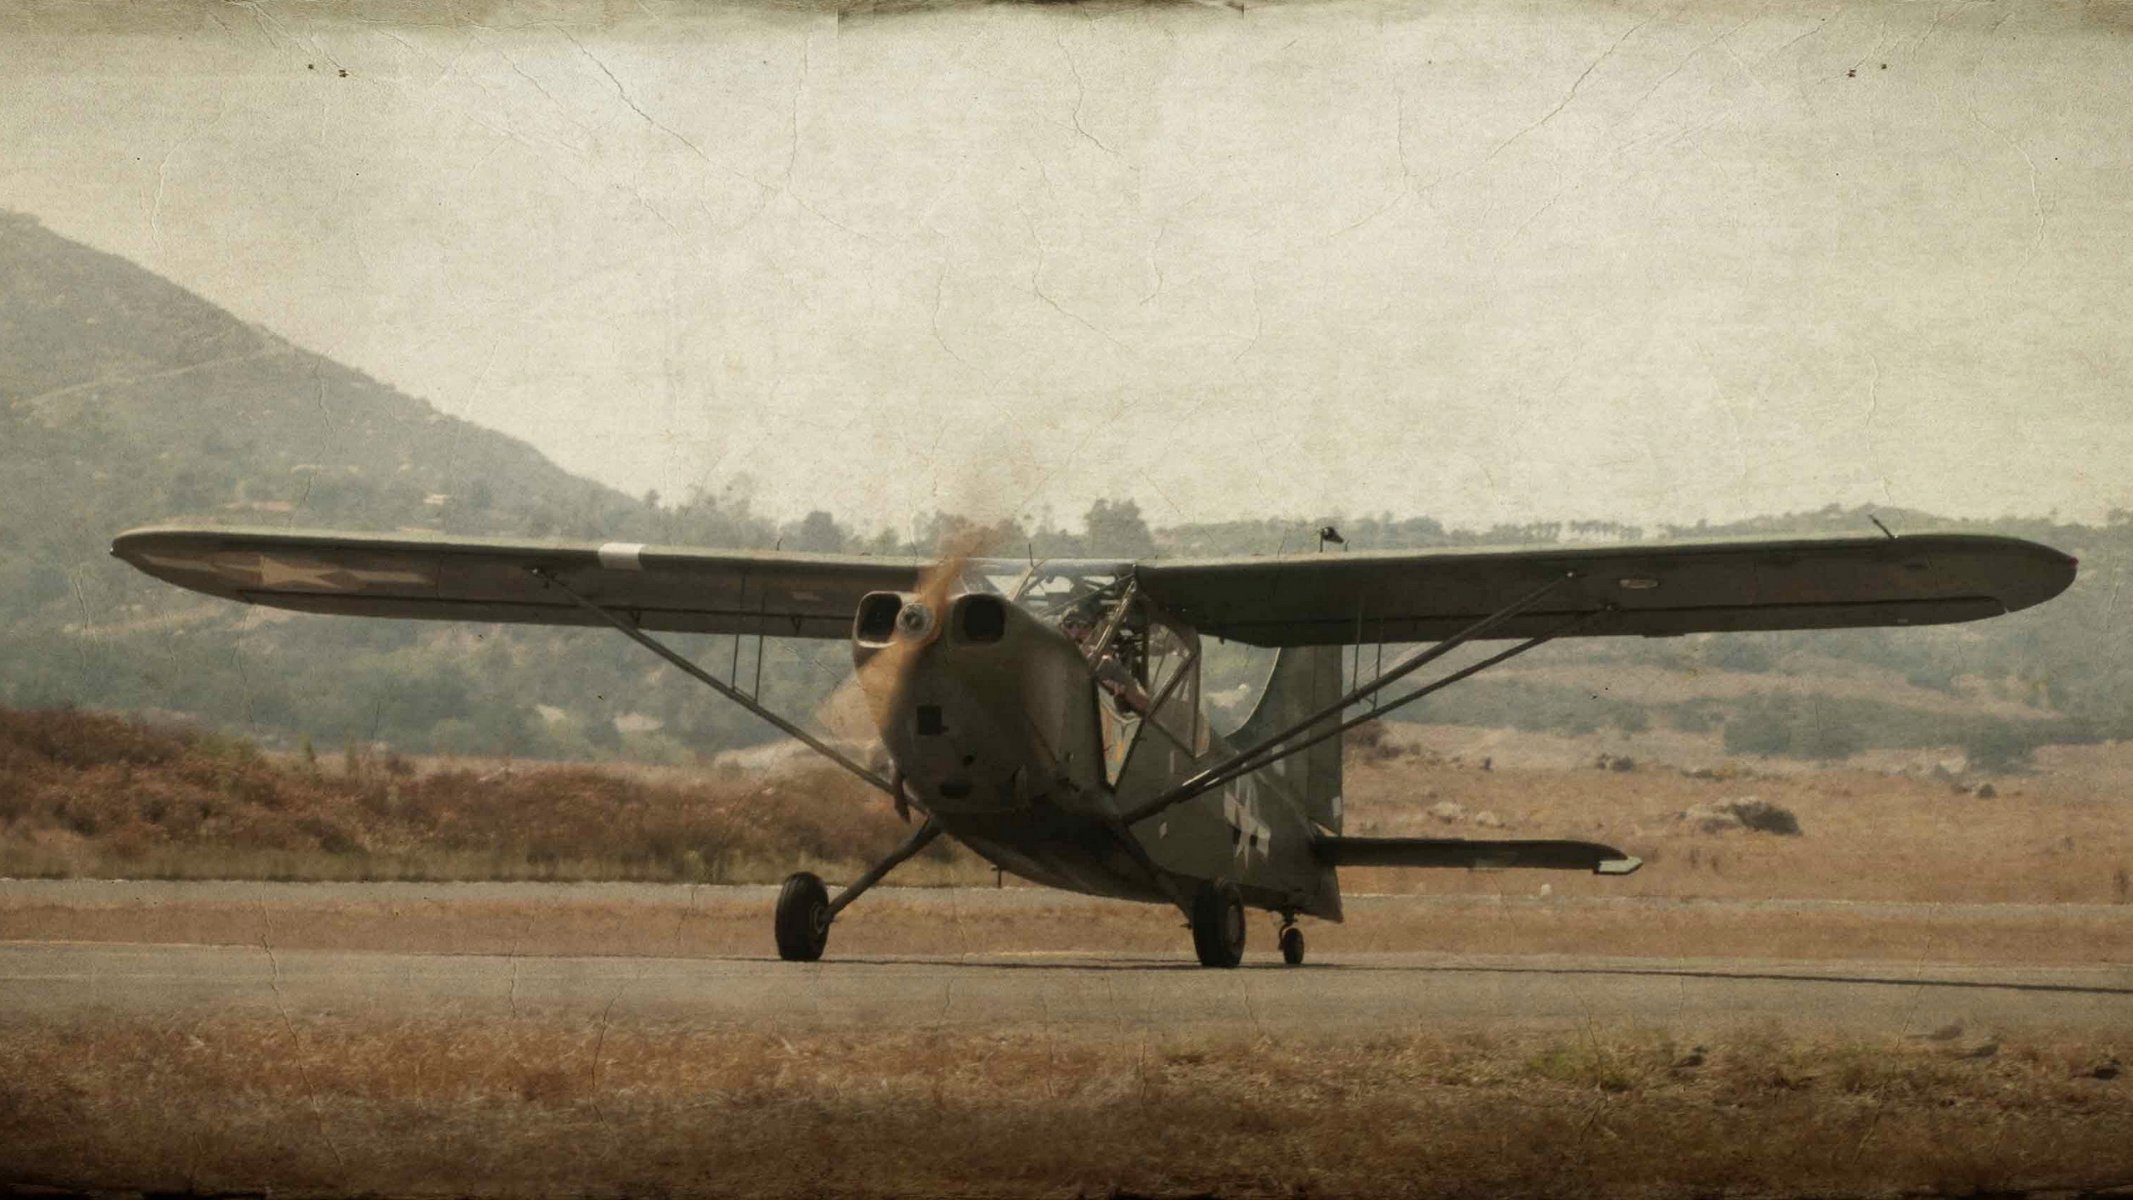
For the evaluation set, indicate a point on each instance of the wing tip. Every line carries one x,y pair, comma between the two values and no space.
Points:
129,539
2053,571
142,537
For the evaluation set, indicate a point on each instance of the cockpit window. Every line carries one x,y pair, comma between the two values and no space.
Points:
1146,668
1052,589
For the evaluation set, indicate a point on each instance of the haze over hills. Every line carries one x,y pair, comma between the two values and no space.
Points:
129,401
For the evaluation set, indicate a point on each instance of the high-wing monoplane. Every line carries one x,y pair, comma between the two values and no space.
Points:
1048,714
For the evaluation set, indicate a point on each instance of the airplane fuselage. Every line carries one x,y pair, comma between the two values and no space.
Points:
1023,748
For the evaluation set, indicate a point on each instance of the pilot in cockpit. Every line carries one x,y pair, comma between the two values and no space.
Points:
1110,669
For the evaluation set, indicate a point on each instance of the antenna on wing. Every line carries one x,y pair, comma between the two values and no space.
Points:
1878,525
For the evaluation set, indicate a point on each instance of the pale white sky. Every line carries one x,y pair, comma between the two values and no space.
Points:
1481,259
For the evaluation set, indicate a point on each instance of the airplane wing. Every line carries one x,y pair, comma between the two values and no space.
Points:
1660,590
487,579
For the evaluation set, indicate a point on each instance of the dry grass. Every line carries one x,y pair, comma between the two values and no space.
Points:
885,923
533,1105
88,794
2050,837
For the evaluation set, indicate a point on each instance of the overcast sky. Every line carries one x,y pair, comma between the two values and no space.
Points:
1479,259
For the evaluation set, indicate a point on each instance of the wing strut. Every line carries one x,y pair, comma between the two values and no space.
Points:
1272,751
639,636
1222,772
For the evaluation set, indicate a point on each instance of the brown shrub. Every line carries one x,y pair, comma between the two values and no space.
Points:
1368,743
121,790
73,738
1747,812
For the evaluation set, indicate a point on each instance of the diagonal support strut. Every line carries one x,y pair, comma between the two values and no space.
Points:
629,629
1221,772
1271,750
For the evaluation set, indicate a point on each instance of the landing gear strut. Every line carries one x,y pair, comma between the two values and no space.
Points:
1292,941
1218,924
805,909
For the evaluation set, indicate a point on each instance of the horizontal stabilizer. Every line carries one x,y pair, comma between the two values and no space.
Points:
1461,852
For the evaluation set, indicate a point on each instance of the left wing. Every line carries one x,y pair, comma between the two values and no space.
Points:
492,579
1658,589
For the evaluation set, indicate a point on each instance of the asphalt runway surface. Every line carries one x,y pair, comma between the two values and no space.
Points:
1087,995
683,895
1340,994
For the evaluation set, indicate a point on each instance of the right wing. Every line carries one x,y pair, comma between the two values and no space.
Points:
1657,589
490,579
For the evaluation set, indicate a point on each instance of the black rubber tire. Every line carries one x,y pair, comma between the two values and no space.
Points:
1292,945
1218,924
803,918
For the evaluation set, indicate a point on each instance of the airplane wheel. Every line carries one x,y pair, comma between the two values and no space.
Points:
1218,924
1292,945
803,922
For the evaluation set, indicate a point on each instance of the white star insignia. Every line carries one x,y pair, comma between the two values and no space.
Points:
275,573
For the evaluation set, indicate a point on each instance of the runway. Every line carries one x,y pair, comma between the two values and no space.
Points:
1355,995
937,899
964,960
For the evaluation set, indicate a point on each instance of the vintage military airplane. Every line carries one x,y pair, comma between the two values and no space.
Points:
1047,714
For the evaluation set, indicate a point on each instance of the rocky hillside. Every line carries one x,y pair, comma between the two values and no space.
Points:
125,400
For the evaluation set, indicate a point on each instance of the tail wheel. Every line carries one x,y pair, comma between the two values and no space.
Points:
1218,924
1292,945
803,920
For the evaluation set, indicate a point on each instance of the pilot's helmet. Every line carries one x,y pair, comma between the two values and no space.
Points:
1076,624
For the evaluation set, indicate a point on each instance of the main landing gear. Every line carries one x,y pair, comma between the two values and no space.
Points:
805,909
1217,915
803,917
1218,924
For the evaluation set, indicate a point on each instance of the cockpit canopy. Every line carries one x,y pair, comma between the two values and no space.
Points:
1052,590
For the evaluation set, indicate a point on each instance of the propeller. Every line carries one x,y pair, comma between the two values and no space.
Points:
886,676
861,707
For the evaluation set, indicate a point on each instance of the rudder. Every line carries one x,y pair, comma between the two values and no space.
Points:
1305,679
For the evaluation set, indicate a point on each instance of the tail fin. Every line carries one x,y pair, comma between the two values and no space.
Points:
1305,679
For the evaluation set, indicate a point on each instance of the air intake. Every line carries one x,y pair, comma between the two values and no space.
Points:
876,624
980,618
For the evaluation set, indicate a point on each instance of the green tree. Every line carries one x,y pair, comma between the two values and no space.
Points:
1117,528
816,533
2001,745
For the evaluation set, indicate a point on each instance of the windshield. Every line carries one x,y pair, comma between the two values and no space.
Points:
1051,589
